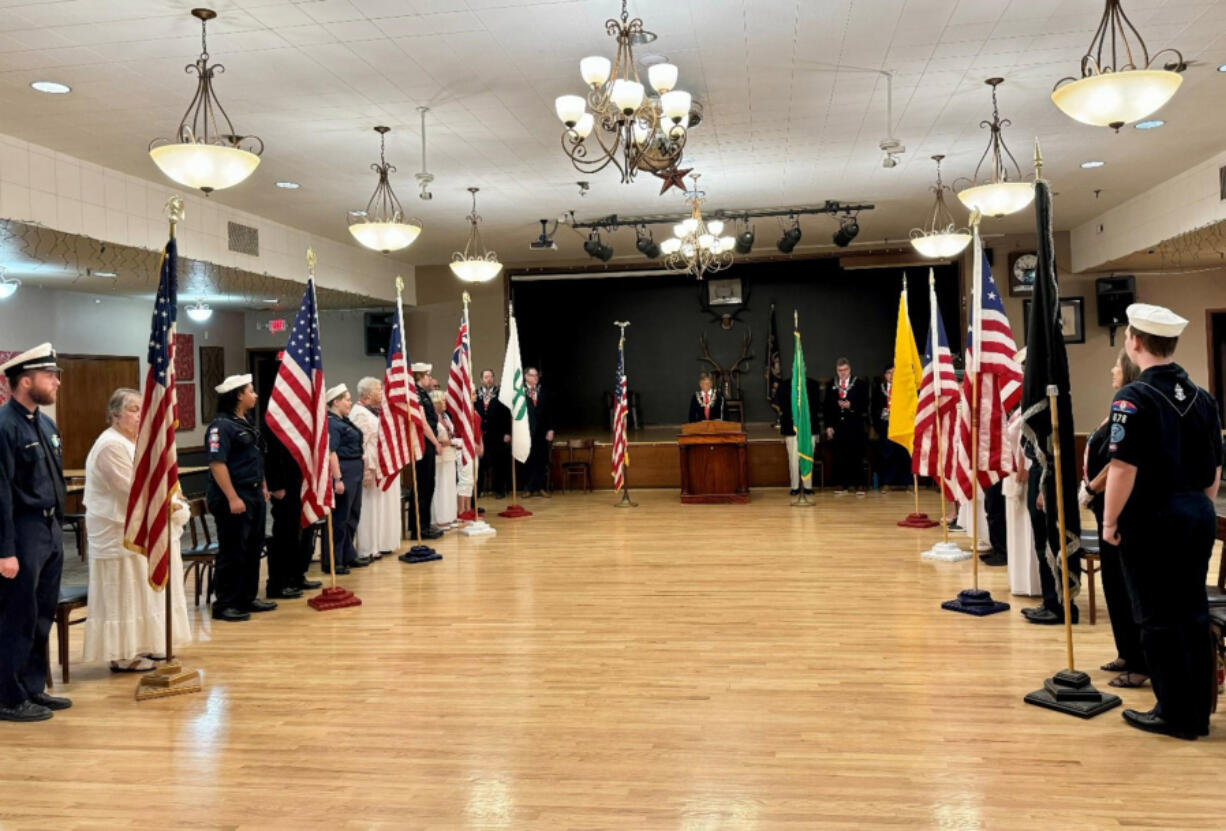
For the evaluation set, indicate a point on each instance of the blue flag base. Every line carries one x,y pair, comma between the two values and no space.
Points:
1072,693
420,554
976,602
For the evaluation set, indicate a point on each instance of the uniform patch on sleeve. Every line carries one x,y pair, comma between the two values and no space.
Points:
1117,433
214,440
1122,406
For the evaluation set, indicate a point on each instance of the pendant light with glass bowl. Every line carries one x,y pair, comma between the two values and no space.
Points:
382,226
941,238
199,311
207,152
999,194
1125,89
474,264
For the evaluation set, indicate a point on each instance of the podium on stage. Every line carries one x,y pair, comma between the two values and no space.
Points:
714,463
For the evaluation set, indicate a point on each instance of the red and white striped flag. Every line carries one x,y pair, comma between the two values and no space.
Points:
146,528
398,444
990,351
464,420
297,414
620,409
939,382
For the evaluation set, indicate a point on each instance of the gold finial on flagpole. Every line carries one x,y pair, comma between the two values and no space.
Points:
932,278
795,319
399,285
1038,160
466,298
904,281
311,262
175,211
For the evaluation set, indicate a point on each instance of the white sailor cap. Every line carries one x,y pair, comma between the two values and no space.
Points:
421,366
1156,320
1020,357
40,357
334,393
234,382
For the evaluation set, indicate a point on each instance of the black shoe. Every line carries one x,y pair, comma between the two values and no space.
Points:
232,615
1033,610
360,562
500,496
480,511
794,492
808,491
258,605
1153,723
954,526
994,559
1046,616
51,702
310,585
25,711
432,534
285,594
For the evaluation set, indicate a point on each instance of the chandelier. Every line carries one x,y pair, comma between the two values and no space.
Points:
998,195
475,264
8,285
697,246
199,311
627,127
941,238
1113,94
207,154
383,226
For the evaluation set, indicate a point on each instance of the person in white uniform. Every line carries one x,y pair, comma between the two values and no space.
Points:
1023,565
379,526
443,506
127,619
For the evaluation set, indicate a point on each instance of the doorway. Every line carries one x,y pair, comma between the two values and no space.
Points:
86,384
263,365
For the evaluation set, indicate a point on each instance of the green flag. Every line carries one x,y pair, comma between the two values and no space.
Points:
800,413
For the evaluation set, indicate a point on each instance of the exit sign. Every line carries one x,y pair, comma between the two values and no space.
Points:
276,325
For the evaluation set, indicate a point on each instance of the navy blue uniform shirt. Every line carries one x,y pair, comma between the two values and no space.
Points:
344,437
31,470
236,443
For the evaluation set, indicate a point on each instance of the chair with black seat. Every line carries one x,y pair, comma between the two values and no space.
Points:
198,560
1090,566
71,599
579,456
76,523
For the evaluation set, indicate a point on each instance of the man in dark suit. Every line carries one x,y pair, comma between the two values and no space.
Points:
292,547
540,425
495,423
846,409
894,460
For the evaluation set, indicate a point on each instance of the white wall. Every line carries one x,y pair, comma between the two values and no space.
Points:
343,336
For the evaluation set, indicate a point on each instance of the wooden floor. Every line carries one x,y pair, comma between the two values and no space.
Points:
667,667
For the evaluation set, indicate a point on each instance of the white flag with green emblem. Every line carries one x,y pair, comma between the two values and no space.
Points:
514,396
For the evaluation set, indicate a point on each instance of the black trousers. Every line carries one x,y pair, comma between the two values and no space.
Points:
495,467
27,607
848,451
895,464
291,548
425,490
1165,558
536,469
1124,629
994,509
240,541
1045,528
345,515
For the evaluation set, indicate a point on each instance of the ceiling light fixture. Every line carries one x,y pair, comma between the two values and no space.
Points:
1114,94
1222,68
1151,124
942,237
198,311
744,240
475,264
288,185
848,230
110,274
8,285
998,195
791,236
698,246
51,87
1092,163
596,249
645,243
627,126
207,154
382,226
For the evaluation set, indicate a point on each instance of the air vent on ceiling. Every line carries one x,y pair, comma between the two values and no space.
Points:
243,239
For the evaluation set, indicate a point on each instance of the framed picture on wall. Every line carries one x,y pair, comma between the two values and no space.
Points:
1072,318
726,292
1022,266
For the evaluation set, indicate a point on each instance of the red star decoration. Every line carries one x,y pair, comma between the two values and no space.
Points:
673,178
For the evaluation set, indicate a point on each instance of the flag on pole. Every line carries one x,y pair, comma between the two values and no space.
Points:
989,354
774,366
460,391
401,434
800,411
155,482
514,396
297,414
908,374
621,453
938,381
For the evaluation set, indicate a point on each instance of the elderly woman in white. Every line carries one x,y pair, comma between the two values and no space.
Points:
443,508
126,622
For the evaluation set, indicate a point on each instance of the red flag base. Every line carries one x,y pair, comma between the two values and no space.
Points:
917,521
333,597
467,516
514,511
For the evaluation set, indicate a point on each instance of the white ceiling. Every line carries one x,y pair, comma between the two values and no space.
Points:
311,77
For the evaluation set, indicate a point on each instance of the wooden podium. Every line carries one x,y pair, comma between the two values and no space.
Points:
714,463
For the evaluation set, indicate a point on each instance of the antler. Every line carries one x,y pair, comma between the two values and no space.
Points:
745,354
706,353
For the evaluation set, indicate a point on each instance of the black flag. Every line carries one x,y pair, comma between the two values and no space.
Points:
774,368
1046,365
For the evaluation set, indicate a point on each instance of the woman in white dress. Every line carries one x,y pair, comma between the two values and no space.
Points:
127,619
379,527
443,508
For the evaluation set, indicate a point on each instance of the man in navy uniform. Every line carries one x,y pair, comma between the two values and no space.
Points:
31,551
846,408
425,465
1166,460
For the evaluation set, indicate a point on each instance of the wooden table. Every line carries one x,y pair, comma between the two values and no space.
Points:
714,463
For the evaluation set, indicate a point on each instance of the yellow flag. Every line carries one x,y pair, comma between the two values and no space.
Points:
908,372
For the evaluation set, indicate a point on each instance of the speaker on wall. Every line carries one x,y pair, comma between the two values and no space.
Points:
1115,295
378,332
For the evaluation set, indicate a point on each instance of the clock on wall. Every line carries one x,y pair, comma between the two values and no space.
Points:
1022,268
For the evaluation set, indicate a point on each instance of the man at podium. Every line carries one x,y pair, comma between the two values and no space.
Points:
707,404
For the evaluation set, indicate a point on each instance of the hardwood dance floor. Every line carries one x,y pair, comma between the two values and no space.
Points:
667,667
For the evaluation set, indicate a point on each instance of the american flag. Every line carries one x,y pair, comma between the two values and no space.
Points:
621,456
296,410
938,364
146,528
398,445
464,419
989,353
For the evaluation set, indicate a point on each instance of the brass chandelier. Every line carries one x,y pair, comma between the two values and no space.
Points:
999,194
474,264
382,226
941,237
698,246
626,127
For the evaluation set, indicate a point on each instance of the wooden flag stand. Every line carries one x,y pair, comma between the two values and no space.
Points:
171,678
476,527
334,596
918,519
514,510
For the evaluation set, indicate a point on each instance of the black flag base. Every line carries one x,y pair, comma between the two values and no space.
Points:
1071,692
977,602
420,554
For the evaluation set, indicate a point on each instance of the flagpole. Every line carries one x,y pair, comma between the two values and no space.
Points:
621,348
916,519
803,498
478,526
514,510
419,553
944,550
331,552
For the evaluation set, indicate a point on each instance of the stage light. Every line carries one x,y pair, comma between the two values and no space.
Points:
596,249
790,237
744,241
848,229
647,246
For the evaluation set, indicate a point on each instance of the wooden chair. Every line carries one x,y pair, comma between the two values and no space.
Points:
71,599
1221,569
76,523
1090,566
579,456
198,560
